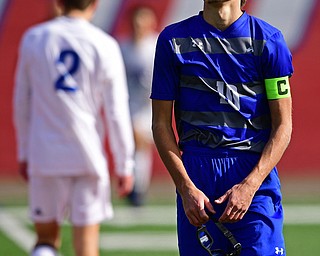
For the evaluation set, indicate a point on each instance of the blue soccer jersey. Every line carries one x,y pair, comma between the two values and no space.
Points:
217,80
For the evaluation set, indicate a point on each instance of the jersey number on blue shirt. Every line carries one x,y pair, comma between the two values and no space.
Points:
229,94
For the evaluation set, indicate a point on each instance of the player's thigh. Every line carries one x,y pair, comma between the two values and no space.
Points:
91,201
187,234
259,235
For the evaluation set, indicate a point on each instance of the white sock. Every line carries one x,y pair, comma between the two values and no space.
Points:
44,250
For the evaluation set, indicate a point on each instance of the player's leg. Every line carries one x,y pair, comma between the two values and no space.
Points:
254,230
204,171
264,221
44,213
143,156
142,174
264,218
188,242
86,240
48,239
91,204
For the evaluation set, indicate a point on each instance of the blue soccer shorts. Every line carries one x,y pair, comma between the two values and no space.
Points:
260,231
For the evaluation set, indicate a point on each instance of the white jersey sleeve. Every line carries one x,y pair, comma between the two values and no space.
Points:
21,102
116,109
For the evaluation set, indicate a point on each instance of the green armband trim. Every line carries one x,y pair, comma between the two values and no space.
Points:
277,88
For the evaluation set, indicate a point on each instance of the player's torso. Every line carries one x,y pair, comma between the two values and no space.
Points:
66,90
221,100
64,77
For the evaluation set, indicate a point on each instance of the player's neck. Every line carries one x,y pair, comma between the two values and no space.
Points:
87,15
221,16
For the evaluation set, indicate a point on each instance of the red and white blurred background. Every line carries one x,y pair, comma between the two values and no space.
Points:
299,21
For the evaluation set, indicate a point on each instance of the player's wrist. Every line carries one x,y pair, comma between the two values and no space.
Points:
253,182
185,188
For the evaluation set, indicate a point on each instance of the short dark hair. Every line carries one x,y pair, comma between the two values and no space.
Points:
76,4
243,2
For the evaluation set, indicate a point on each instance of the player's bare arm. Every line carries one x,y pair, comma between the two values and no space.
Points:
124,185
194,200
23,170
240,196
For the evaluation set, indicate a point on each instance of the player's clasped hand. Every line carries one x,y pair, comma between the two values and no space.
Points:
124,185
239,199
194,203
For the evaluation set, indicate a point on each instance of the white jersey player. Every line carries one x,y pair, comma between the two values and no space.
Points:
70,72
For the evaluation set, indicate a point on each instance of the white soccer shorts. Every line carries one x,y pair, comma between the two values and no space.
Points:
84,200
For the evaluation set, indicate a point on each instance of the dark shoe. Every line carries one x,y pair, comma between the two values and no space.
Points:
136,199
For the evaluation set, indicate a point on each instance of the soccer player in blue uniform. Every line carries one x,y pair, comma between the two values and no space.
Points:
226,76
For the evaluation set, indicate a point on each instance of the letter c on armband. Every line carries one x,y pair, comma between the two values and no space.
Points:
277,88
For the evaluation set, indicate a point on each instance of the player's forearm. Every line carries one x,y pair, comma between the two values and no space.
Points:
117,117
277,144
271,155
122,147
170,154
21,118
120,137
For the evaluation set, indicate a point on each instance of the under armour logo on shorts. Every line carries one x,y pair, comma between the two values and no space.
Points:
279,251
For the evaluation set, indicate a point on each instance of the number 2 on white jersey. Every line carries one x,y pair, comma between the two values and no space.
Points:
67,65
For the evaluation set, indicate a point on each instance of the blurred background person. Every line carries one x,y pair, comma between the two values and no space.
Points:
138,53
68,72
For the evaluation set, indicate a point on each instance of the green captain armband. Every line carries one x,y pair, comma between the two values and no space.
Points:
277,88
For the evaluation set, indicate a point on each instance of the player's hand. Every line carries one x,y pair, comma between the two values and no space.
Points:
194,204
239,199
23,170
125,185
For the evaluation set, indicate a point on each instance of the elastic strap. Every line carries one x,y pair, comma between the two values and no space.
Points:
229,235
236,245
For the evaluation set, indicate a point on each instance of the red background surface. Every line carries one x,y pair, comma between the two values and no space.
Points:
302,156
